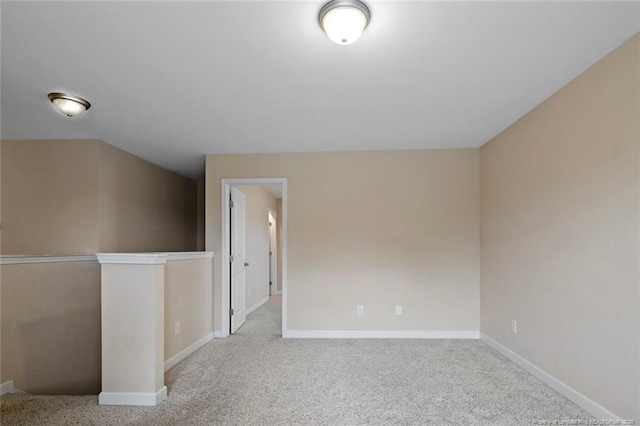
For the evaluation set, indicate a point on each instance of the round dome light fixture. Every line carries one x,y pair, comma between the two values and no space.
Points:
344,20
69,105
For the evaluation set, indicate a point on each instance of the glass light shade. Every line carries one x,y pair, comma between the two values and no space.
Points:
344,25
69,105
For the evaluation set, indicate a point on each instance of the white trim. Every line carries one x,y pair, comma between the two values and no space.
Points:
132,398
225,185
562,388
187,351
190,255
6,387
278,292
16,260
257,305
285,229
122,258
133,258
225,303
382,334
219,334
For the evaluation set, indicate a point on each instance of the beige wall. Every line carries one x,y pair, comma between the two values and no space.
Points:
372,228
51,327
188,296
559,210
200,217
49,196
144,207
84,196
257,242
64,197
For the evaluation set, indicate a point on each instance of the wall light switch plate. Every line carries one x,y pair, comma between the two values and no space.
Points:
176,327
359,310
514,326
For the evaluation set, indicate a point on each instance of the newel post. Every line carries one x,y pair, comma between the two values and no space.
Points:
132,295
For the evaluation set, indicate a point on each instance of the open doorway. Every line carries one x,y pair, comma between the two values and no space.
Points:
253,253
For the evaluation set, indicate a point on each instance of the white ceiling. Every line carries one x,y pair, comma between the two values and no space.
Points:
172,81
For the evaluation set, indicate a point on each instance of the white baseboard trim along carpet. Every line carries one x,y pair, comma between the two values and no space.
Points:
257,305
323,381
6,387
129,398
381,334
562,388
187,351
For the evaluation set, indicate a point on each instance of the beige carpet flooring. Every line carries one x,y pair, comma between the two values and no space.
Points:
258,378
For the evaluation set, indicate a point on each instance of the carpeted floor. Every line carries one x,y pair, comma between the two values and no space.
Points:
256,377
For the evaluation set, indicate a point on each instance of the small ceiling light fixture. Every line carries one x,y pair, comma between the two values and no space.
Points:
69,105
344,21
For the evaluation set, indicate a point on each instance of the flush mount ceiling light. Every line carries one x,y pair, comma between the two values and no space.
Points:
344,21
69,105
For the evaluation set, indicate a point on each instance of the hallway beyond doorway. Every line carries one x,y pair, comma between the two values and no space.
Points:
264,321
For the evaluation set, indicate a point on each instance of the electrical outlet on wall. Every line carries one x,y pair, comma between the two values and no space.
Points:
176,327
514,326
398,310
359,309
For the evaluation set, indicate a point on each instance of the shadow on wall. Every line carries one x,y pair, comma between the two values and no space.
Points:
51,327
50,367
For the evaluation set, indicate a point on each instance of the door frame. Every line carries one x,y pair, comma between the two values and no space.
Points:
274,254
224,302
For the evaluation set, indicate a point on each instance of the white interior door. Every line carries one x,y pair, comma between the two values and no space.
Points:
273,253
238,260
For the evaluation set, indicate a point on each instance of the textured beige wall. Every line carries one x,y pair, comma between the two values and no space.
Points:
144,207
373,228
85,196
51,327
200,217
188,295
559,211
49,196
75,197
257,241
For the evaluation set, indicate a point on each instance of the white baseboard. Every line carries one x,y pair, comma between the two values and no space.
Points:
562,388
257,305
6,387
187,351
219,333
381,334
132,398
